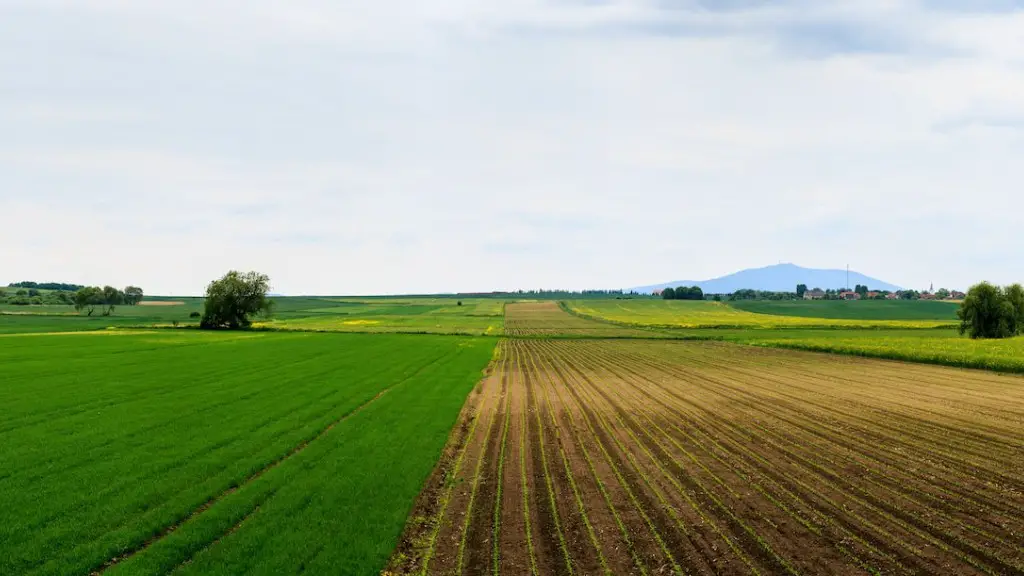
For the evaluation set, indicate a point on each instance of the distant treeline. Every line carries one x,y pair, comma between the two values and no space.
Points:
86,298
683,293
48,286
540,294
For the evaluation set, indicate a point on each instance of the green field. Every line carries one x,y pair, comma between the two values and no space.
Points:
262,451
853,309
479,316
705,314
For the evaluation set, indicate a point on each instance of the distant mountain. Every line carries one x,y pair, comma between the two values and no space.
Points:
777,278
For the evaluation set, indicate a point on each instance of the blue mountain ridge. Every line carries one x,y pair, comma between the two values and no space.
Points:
776,278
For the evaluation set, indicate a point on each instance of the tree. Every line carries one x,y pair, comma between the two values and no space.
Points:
232,301
111,297
991,312
132,295
942,293
88,299
862,290
1014,294
669,293
801,289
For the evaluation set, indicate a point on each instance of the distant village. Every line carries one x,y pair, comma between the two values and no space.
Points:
803,293
846,294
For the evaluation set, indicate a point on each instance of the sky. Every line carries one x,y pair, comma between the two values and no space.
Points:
420,146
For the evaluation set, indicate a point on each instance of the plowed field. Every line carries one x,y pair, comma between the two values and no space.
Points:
641,457
548,319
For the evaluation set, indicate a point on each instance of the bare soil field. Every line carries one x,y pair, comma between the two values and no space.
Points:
548,319
161,303
667,457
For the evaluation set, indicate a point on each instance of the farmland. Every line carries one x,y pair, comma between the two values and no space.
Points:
599,442
548,319
650,457
134,452
705,314
853,310
411,315
480,316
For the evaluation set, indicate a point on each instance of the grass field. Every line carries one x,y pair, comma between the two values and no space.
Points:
854,309
219,453
705,314
480,316
653,457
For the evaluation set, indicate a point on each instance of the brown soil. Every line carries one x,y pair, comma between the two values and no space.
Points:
658,457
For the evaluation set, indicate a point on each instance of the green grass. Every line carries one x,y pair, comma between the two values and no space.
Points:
477,316
706,314
854,309
414,315
111,437
15,319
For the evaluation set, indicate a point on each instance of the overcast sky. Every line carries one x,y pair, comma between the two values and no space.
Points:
397,146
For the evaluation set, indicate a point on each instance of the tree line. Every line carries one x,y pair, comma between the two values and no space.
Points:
91,298
683,293
47,286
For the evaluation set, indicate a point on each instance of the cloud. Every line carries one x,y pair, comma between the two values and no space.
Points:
402,146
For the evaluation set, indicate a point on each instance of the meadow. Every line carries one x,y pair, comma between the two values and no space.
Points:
143,452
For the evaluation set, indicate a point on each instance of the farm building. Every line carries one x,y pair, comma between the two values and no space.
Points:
816,294
848,295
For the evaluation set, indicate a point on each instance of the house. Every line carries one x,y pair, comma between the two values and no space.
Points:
816,294
892,296
872,295
957,295
848,295
927,296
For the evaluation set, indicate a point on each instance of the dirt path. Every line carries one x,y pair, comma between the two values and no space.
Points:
654,457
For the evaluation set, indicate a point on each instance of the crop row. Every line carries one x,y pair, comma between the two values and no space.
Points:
641,457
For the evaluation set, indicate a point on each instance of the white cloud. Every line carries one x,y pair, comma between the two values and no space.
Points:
403,146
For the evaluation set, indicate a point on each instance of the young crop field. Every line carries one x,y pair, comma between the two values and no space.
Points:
132,452
854,309
705,314
547,318
481,317
659,457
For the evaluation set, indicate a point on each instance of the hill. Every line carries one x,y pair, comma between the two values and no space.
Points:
777,278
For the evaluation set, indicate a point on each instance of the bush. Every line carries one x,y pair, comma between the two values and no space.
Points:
194,315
